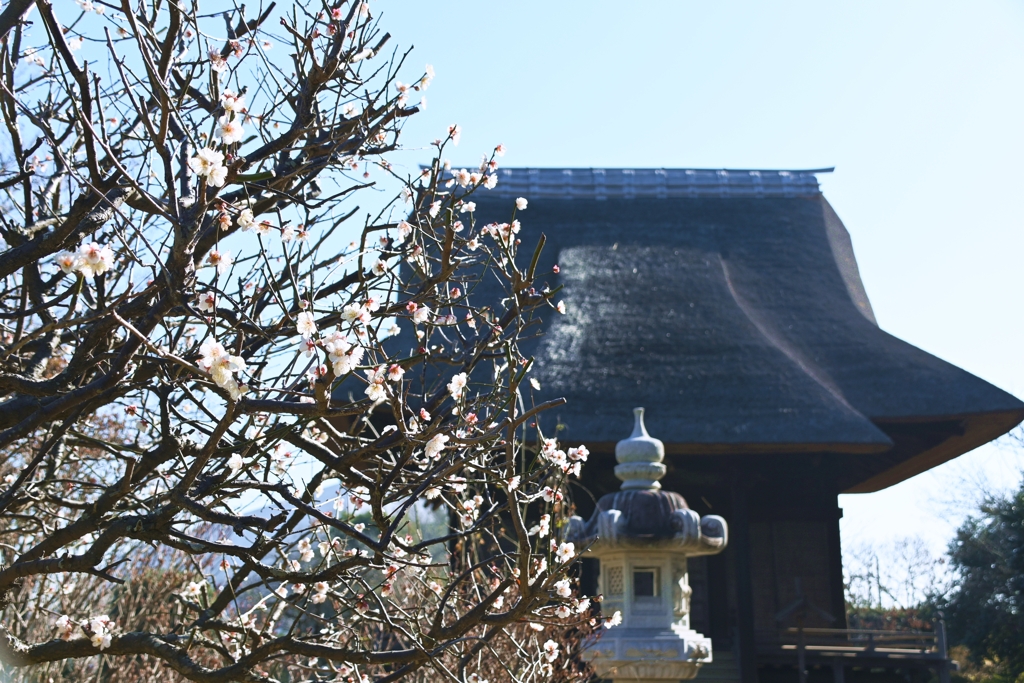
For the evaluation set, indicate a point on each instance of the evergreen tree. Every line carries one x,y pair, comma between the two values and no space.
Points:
985,610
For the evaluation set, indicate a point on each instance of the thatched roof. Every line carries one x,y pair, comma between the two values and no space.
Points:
730,305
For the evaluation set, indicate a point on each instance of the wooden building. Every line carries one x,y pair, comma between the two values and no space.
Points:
730,305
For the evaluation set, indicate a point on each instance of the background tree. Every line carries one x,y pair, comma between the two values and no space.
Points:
223,419
888,584
985,609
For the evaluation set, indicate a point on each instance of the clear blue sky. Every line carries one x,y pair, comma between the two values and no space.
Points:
918,105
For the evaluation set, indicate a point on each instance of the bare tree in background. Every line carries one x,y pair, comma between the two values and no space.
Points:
222,422
899,574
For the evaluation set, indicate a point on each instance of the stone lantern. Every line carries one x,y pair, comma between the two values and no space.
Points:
642,536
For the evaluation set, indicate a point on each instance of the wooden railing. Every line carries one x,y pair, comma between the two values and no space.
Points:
863,640
845,647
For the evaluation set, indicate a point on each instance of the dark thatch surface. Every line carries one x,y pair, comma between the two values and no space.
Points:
741,324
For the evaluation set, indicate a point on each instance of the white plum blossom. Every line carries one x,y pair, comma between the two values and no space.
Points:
67,260
246,219
235,463
90,260
305,549
421,314
534,383
434,447
521,203
305,324
361,55
94,259
209,163
233,103
375,390
563,612
551,650
217,62
395,373
560,307
100,632
222,260
404,230
207,302
230,129
33,56
359,496
541,568
563,588
565,552
457,385
428,76
544,528
222,366
455,133
320,595
342,353
355,313
325,547
613,620
502,232
580,453
65,627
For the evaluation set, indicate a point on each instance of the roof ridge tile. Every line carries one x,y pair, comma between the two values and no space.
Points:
661,183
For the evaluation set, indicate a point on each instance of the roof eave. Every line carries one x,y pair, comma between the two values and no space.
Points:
978,430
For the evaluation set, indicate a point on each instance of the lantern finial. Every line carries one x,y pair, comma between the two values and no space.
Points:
640,457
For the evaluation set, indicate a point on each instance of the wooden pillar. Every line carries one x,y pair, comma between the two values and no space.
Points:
837,588
739,525
838,673
801,653
942,646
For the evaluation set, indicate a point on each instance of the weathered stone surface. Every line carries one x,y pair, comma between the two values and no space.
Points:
643,531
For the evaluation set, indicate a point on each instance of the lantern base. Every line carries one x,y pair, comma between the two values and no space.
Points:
640,655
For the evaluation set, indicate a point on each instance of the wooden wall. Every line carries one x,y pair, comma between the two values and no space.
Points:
784,553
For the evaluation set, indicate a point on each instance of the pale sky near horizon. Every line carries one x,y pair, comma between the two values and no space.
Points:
916,104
